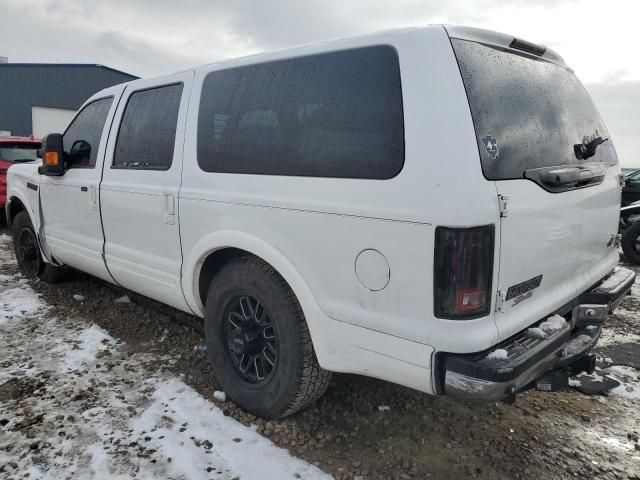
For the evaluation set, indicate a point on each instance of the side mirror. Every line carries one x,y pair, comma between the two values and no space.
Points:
52,155
79,154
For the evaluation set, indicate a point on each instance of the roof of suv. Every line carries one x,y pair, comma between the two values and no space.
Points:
486,37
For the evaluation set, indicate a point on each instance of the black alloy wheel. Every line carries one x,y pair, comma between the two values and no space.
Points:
28,252
251,339
258,341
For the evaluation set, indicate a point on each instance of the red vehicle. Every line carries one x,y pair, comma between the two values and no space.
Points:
13,150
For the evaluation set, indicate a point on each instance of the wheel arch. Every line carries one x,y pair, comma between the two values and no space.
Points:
15,205
211,252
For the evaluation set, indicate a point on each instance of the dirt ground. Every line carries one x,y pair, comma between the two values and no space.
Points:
346,434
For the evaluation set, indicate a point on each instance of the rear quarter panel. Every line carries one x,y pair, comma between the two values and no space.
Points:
320,225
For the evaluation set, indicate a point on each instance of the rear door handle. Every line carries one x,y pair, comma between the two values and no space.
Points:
83,189
170,209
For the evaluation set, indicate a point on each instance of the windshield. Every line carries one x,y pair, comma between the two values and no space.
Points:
528,112
19,153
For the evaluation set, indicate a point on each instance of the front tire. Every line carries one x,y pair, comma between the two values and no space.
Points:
258,341
631,243
28,254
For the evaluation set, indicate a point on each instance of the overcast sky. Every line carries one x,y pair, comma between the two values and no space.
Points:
598,39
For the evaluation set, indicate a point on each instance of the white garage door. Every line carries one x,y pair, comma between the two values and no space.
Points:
46,120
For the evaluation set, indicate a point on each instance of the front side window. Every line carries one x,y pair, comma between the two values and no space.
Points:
336,114
147,134
83,135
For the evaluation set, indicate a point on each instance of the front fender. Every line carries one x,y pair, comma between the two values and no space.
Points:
17,190
33,217
17,196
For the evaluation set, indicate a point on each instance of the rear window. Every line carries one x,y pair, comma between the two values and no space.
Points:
527,112
337,114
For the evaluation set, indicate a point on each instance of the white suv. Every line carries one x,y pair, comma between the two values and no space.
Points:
437,207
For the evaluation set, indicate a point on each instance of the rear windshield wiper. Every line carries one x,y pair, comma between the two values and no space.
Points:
588,147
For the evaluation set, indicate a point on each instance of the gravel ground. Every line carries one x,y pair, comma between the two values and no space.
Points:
347,434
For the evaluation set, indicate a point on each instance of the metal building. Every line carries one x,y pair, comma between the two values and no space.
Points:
40,98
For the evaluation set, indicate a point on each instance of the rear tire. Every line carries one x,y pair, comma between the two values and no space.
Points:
631,243
258,341
28,254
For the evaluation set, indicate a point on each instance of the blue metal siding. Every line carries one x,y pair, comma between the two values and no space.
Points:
48,85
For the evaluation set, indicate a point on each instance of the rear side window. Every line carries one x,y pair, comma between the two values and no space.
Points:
528,113
147,134
337,114
87,126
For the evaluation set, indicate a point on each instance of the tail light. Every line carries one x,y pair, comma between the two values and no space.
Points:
463,272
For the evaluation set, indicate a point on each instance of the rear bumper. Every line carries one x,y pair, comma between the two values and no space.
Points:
516,364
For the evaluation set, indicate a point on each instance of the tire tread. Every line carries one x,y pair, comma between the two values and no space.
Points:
312,380
48,273
628,240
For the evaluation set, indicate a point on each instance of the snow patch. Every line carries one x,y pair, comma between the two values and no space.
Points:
123,417
548,327
90,342
619,275
536,332
594,377
499,354
629,379
553,323
576,345
610,338
226,439
20,303
220,396
616,443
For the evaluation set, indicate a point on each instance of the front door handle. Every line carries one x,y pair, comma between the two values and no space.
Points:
93,197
